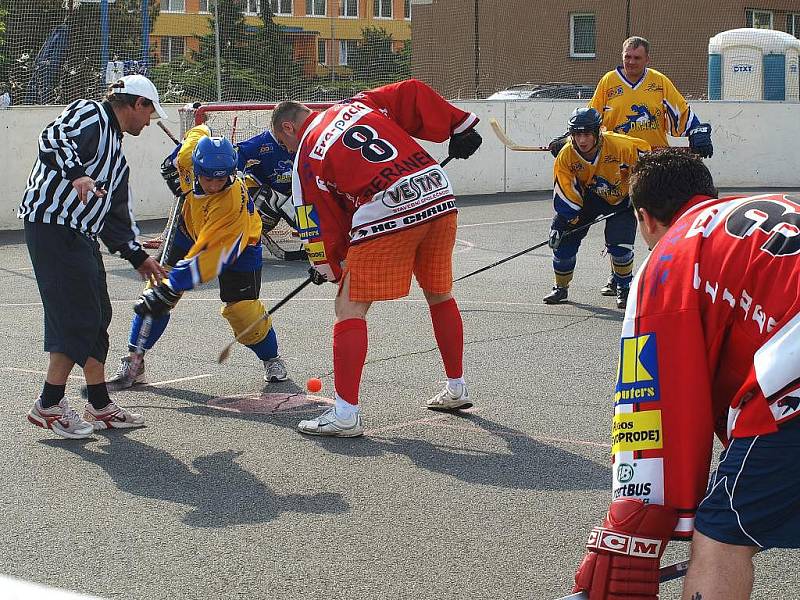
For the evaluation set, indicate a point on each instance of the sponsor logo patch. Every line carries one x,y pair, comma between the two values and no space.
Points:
636,431
316,252
307,221
637,374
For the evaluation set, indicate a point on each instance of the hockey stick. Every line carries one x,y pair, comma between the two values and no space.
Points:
226,351
665,573
508,143
166,130
537,246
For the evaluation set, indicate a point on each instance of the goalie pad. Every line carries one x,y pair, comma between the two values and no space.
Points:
240,315
272,207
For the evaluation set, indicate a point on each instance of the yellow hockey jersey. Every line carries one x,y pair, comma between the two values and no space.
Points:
221,225
606,176
648,109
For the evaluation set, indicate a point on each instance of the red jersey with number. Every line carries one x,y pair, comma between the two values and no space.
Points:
359,173
710,343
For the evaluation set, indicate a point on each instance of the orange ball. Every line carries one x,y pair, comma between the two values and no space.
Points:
314,384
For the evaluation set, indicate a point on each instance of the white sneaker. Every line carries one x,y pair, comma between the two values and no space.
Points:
61,419
127,376
275,370
328,423
112,417
449,399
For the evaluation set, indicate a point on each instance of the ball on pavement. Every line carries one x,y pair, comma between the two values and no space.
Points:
314,384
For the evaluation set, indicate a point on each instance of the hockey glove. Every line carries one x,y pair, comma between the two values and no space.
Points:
557,144
557,228
324,272
170,174
157,301
464,144
623,554
700,140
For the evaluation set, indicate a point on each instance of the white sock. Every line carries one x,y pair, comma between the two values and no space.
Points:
344,409
456,385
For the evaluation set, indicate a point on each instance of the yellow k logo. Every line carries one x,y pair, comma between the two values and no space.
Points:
631,367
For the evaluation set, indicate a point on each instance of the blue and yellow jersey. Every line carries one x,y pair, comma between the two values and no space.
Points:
221,225
267,162
648,109
606,176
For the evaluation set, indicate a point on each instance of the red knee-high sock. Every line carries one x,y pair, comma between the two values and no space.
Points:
449,331
349,354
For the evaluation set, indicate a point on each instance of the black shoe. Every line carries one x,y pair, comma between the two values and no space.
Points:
622,296
610,288
559,294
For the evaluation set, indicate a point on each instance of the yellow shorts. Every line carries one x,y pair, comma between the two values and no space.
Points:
381,269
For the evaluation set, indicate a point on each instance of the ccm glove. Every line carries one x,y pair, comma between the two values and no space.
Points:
323,272
557,144
157,301
557,229
170,174
700,140
624,552
464,144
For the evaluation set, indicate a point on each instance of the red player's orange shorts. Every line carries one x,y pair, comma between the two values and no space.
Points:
381,269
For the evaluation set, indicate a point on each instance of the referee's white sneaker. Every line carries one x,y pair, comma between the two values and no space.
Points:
61,419
128,375
451,398
112,417
328,423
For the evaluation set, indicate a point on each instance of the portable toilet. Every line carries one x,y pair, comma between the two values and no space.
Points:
753,64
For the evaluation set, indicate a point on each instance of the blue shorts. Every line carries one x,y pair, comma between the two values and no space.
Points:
753,497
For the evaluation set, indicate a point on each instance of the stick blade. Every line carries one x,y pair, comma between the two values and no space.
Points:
223,356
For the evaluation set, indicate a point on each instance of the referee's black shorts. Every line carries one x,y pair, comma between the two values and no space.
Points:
72,283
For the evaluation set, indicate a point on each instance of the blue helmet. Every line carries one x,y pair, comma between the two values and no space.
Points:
585,120
214,157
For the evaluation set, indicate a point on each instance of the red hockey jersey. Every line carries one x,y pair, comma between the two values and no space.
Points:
359,173
710,344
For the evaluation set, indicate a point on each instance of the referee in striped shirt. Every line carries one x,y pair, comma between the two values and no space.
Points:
78,190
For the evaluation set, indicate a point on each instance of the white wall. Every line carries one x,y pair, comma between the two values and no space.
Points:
753,147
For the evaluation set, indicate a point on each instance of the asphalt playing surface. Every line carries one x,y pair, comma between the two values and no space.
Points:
219,497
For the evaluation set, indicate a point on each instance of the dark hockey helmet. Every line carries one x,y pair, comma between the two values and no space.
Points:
585,120
214,157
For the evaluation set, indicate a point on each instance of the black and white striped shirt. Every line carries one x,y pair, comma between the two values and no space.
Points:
85,139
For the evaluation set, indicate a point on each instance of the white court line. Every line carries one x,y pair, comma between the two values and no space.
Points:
166,381
504,222
18,370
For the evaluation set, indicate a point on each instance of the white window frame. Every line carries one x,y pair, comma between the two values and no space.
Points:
407,5
322,51
276,7
343,9
345,47
249,5
312,3
381,4
572,52
169,3
794,28
207,9
752,12
168,40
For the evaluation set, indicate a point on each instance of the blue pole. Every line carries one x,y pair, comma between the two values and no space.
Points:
103,36
145,36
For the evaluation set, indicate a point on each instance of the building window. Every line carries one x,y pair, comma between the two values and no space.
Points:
321,53
346,50
172,48
315,8
173,6
250,7
348,8
793,25
582,35
204,6
382,9
406,9
760,19
281,7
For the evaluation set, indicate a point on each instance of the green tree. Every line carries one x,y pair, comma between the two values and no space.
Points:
375,61
3,47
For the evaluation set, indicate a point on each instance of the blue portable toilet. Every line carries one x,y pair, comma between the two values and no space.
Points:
753,64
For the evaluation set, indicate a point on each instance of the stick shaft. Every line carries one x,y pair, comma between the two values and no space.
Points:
166,130
508,143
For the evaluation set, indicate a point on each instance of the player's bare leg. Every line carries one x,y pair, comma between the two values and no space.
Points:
349,354
718,571
449,332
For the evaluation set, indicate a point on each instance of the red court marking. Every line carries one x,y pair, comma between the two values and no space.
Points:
268,403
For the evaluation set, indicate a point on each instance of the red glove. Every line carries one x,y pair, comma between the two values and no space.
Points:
623,554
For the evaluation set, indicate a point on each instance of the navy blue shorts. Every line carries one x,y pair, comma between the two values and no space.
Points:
753,497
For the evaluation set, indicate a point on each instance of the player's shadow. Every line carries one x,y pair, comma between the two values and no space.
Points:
528,464
601,312
219,492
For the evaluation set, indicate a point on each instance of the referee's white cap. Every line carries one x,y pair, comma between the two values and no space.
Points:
139,85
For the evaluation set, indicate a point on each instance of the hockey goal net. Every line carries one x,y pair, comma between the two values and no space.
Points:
239,122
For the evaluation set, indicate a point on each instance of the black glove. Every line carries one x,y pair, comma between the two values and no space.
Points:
170,174
557,144
317,278
464,144
700,140
557,229
156,302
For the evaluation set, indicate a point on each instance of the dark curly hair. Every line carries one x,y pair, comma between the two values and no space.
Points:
664,180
